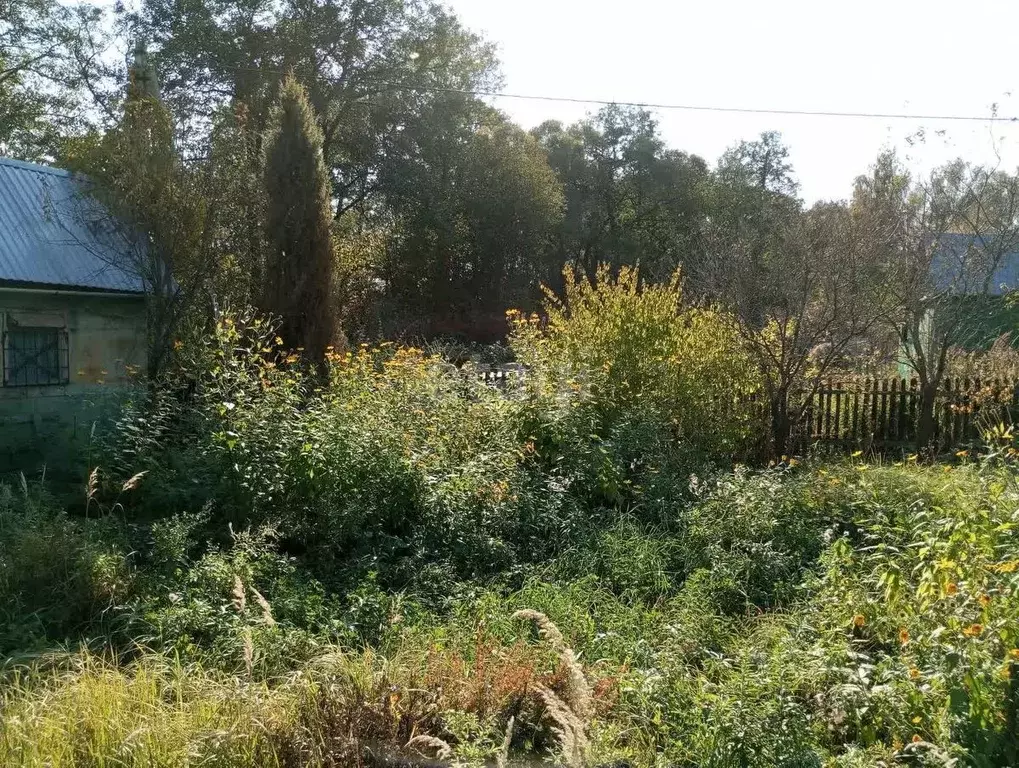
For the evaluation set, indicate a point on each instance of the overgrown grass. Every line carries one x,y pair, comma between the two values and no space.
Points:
396,562
846,614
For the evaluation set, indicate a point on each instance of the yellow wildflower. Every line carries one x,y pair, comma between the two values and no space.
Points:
973,630
859,620
903,635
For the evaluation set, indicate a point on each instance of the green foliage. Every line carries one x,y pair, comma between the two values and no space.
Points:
638,351
59,576
396,458
629,199
159,221
476,205
749,539
299,272
842,614
345,554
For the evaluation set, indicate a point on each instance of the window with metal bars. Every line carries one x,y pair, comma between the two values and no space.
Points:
35,357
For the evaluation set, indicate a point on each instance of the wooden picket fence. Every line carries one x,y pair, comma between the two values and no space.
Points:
872,413
883,413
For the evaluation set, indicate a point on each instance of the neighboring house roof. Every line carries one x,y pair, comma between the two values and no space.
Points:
50,233
962,263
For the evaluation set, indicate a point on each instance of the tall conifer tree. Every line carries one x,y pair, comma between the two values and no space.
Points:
300,268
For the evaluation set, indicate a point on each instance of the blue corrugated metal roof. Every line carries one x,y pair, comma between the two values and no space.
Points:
50,233
967,265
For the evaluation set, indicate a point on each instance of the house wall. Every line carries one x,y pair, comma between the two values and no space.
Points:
47,425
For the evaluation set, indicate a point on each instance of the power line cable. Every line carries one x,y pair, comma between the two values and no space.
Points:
704,108
665,106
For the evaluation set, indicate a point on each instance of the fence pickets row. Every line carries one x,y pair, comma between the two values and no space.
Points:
872,412
886,411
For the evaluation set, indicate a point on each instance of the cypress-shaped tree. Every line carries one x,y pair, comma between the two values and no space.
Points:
298,218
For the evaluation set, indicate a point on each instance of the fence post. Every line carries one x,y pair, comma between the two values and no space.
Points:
893,412
914,389
949,426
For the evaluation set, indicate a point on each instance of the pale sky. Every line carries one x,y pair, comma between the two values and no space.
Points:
896,56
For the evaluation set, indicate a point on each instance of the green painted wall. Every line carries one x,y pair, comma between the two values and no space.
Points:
49,425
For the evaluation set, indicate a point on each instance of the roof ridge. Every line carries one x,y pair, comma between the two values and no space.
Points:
34,167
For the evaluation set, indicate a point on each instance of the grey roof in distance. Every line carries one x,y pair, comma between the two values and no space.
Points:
52,233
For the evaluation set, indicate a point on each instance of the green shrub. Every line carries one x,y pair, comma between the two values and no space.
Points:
396,459
635,347
748,541
59,577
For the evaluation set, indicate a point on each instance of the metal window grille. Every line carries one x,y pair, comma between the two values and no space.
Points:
35,357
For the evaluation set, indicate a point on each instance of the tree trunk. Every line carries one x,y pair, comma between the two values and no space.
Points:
926,427
780,424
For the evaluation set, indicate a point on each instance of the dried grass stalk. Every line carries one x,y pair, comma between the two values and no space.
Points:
502,759
266,608
442,750
240,601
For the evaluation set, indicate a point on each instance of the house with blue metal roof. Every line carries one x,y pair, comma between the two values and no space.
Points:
72,310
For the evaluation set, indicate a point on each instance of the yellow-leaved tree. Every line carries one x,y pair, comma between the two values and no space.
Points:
636,347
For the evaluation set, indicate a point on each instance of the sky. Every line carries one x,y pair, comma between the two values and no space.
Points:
896,56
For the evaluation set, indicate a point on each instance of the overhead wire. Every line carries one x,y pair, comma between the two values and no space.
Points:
485,93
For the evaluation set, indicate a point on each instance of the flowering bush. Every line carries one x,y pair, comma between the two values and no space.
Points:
639,350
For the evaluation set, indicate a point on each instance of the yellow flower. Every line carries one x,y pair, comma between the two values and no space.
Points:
973,630
859,620
178,344
916,738
903,635
952,588
984,600
793,462
1008,566
917,720
911,457
914,673
962,454
856,454
1014,654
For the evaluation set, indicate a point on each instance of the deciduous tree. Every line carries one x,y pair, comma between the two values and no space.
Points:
942,243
